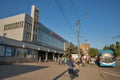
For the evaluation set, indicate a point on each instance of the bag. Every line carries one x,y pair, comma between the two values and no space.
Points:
76,73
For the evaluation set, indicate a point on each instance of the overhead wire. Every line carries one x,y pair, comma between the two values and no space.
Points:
74,9
62,12
74,12
72,15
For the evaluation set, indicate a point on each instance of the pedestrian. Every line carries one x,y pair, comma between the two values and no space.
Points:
70,67
59,60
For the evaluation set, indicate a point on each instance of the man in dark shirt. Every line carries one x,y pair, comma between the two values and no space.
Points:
70,66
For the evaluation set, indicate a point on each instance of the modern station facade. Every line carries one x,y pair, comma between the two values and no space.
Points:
23,38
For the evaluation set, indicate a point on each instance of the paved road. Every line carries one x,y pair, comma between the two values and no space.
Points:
112,73
46,71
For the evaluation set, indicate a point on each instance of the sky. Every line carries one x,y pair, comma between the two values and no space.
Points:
99,19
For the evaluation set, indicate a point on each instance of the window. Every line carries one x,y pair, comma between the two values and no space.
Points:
28,26
8,51
47,39
107,57
28,36
13,26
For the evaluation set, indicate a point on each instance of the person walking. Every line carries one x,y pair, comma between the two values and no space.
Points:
70,67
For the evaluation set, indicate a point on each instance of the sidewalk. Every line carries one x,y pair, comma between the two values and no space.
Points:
46,71
32,71
89,72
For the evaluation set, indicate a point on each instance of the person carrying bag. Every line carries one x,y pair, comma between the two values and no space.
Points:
70,67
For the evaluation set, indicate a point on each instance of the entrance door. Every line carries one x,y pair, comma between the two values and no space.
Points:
41,56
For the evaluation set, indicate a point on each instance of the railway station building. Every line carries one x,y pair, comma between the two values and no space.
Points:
24,39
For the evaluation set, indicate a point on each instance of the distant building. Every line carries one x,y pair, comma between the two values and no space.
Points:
85,48
23,37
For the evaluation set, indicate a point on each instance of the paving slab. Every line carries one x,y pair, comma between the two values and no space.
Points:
46,71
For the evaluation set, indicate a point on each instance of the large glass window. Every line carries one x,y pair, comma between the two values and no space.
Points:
47,39
20,52
8,51
25,53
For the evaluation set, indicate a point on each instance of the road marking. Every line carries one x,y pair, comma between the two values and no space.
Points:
116,75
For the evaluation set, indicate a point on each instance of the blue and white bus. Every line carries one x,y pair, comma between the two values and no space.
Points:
106,58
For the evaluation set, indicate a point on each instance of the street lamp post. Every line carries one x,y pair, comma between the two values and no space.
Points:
78,24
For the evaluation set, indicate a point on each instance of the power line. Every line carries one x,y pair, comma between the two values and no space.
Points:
78,24
76,17
74,8
61,10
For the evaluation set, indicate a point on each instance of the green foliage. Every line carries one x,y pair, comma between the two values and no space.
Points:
114,47
71,49
93,52
117,49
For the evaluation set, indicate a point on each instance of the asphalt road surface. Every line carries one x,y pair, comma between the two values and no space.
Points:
112,73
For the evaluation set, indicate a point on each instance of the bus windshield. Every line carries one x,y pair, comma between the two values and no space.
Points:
107,57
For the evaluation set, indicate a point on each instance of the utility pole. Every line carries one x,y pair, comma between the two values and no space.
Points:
78,36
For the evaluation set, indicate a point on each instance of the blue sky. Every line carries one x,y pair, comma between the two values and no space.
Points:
99,28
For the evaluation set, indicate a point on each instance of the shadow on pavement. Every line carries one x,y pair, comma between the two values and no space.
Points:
58,76
7,71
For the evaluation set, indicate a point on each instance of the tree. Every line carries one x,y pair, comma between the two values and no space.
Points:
106,47
118,45
117,51
114,47
71,49
93,52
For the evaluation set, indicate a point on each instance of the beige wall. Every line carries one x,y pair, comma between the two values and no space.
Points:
17,33
85,48
12,19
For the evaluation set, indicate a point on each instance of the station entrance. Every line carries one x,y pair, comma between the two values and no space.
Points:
48,56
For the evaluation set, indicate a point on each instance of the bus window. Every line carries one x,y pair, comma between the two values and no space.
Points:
107,57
